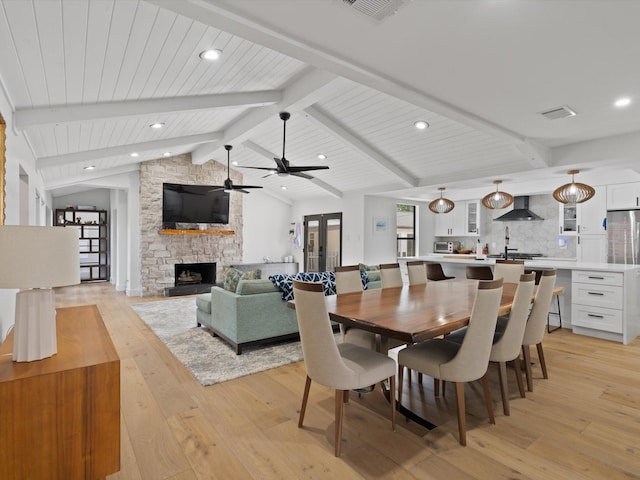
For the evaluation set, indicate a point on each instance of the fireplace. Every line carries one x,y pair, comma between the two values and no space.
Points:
190,278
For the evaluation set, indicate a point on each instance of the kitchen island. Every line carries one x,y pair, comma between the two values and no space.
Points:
600,299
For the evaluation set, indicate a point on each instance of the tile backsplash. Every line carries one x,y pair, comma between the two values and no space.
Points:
531,237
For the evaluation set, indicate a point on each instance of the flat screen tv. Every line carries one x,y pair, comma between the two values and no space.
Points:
193,204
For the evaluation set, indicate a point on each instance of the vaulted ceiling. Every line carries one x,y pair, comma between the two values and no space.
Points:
88,78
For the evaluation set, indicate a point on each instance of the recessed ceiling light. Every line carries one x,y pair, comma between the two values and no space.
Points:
157,125
322,156
211,54
283,187
421,125
166,154
234,163
89,167
623,102
134,154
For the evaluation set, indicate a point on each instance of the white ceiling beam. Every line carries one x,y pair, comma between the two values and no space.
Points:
25,118
86,178
618,150
340,131
535,153
268,155
307,88
159,145
222,16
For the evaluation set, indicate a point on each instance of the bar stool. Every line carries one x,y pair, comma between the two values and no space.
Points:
479,272
435,272
559,291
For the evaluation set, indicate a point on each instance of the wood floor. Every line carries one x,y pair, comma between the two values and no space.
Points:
581,423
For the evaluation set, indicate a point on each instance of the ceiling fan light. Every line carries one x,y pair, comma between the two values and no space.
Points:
574,192
497,200
441,205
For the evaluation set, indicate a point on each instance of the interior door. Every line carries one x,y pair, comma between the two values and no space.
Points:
322,242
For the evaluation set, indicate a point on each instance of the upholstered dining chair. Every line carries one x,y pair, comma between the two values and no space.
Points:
435,272
342,367
509,270
464,362
534,330
479,272
417,272
390,275
348,279
508,341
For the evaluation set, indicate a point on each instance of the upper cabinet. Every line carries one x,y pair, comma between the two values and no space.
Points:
584,218
464,220
623,195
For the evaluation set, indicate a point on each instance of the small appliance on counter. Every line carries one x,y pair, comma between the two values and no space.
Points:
446,247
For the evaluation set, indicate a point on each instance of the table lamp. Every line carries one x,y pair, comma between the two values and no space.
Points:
36,259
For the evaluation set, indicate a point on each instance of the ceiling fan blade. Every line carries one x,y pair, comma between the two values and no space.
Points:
301,175
240,187
282,167
260,168
310,167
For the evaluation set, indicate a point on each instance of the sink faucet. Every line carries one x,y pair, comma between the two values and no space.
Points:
506,243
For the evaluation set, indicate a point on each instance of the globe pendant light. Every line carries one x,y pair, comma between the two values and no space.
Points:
497,199
573,192
441,205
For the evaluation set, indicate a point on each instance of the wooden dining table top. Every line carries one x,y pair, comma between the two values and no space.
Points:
413,313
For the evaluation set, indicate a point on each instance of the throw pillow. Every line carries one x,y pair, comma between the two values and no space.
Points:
364,276
328,280
284,283
232,276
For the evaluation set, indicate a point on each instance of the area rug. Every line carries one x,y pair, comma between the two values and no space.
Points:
209,359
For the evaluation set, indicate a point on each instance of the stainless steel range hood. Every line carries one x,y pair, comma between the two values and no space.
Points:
520,212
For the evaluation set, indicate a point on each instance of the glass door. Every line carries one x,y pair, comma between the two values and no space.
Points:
323,242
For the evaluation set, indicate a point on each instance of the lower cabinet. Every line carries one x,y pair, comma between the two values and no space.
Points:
592,248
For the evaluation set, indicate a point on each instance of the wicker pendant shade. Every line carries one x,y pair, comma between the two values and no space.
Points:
441,205
497,199
573,192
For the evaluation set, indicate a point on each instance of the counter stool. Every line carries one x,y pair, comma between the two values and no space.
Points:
558,313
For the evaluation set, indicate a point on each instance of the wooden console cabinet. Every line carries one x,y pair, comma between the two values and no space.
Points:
61,415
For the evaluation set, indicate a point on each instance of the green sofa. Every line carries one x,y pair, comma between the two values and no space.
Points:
255,313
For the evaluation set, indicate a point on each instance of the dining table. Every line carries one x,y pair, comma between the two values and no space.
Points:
412,313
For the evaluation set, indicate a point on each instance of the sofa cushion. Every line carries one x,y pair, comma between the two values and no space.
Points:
372,272
232,276
252,287
203,302
284,283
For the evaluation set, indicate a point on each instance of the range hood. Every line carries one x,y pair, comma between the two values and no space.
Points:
520,212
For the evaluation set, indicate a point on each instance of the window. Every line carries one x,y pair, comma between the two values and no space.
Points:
406,230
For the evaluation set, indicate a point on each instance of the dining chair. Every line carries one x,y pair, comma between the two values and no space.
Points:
342,367
508,341
534,330
390,275
479,272
417,272
460,362
435,272
509,270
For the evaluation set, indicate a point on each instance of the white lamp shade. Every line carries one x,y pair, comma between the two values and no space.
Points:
38,257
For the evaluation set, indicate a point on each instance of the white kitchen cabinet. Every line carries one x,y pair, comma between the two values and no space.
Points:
592,248
584,218
623,195
568,218
463,221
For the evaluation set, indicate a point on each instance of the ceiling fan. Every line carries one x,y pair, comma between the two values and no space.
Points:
283,166
228,184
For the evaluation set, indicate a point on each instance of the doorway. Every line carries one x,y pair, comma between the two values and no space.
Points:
322,242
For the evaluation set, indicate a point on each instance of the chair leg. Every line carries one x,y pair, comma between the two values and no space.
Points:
518,370
462,428
305,397
487,398
526,354
504,388
338,437
420,378
436,387
392,392
400,382
543,364
346,396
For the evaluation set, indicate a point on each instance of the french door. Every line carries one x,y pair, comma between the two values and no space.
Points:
322,242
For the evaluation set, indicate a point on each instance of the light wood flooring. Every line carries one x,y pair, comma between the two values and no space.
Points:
581,423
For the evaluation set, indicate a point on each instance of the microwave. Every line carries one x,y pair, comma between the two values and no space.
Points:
446,247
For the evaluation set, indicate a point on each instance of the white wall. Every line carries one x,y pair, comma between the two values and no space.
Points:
266,223
97,197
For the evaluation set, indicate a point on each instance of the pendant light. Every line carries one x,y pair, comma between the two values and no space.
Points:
497,199
441,205
573,192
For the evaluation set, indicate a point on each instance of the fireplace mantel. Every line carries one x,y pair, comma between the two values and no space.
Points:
170,231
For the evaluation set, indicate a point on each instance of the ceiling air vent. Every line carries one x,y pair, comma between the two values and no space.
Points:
559,112
375,9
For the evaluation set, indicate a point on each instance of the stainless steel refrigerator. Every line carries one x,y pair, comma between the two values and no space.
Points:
623,236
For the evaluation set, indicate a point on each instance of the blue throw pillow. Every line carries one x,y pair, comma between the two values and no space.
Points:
328,280
284,283
364,276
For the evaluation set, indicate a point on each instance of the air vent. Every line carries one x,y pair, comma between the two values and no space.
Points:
375,9
559,112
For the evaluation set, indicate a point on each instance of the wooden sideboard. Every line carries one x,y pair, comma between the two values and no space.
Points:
61,415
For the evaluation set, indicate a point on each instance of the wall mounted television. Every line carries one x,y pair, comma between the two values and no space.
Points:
193,204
